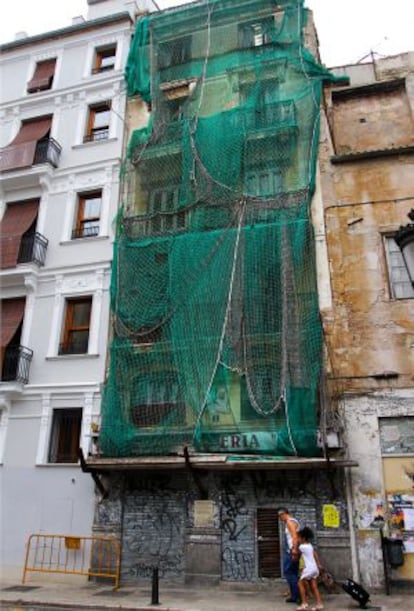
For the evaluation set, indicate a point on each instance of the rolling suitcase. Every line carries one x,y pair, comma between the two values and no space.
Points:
357,592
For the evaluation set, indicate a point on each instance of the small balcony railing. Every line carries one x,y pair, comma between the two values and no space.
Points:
277,115
47,151
103,69
16,364
33,249
85,232
97,134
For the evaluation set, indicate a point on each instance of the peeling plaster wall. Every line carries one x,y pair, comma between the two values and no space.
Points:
362,437
368,333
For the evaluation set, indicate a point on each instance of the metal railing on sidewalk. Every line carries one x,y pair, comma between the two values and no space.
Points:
72,555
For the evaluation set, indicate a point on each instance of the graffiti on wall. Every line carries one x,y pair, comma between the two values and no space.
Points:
153,528
237,531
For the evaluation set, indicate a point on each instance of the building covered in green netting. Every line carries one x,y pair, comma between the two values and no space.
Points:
212,408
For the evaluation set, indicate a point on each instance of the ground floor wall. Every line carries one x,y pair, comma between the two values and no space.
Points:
379,434
38,496
218,526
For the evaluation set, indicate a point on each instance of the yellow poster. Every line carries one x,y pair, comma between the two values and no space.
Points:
331,516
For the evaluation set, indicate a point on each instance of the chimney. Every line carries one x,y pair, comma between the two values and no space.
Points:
78,20
20,35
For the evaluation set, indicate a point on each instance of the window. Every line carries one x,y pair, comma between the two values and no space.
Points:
42,78
104,59
65,436
174,52
163,210
88,215
400,284
265,183
98,122
75,336
157,400
255,34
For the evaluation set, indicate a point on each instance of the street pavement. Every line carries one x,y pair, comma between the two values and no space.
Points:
47,592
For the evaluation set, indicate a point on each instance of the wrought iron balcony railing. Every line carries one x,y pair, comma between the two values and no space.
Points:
47,151
16,364
85,232
33,249
97,134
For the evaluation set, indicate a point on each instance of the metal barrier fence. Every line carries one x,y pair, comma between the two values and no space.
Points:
72,555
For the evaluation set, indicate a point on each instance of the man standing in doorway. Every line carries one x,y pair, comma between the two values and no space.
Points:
290,553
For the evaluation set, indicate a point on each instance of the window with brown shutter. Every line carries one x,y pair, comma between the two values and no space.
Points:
18,218
98,122
20,153
88,215
75,337
104,59
42,78
11,318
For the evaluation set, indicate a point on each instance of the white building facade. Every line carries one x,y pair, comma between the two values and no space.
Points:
62,134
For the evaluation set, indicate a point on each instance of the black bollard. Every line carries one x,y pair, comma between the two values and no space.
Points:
155,589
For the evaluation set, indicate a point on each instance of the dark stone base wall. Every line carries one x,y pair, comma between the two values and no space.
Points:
153,515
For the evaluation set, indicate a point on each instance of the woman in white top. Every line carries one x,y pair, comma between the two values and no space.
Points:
310,572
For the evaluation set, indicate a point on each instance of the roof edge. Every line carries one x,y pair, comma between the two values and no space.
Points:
68,30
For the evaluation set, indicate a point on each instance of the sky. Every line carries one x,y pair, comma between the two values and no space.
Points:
348,30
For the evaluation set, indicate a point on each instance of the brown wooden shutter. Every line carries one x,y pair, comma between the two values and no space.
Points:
12,312
20,152
42,77
16,220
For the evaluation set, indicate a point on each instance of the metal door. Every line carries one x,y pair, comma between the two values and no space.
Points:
268,543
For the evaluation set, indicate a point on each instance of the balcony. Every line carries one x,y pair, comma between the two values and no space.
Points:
33,249
271,117
16,364
16,174
47,151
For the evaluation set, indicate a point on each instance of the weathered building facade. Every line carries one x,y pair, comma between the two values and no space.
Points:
367,169
214,412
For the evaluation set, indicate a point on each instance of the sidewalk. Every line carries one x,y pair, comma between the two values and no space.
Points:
76,593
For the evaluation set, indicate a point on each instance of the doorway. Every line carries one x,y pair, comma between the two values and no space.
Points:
268,543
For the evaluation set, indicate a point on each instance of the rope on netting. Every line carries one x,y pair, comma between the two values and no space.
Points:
284,354
242,209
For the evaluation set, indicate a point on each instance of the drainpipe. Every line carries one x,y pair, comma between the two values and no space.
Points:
350,505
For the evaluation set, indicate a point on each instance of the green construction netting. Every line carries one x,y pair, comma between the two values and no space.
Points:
217,337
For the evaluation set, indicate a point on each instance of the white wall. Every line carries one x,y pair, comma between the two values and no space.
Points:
37,496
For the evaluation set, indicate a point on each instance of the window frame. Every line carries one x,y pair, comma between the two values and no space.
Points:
68,347
81,219
47,86
97,133
255,34
388,239
160,223
61,434
102,53
174,52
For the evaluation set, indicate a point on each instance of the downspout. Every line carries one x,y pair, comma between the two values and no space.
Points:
350,507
